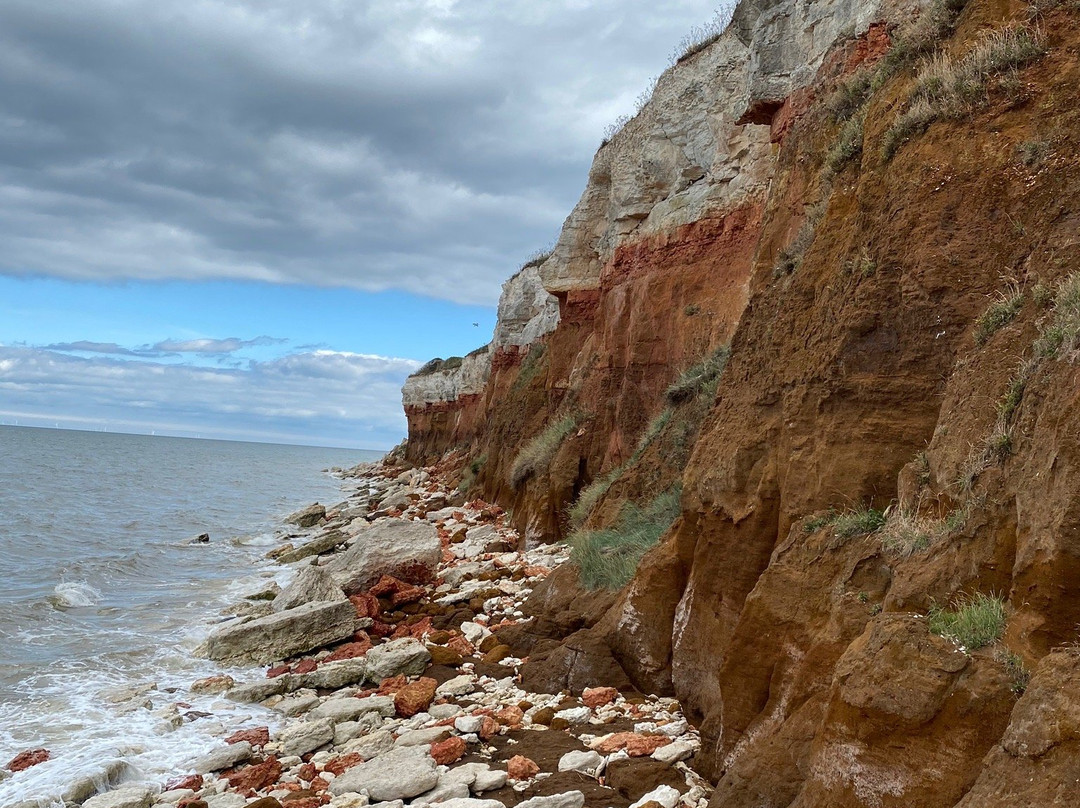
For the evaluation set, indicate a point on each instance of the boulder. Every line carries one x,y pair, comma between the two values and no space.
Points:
415,697
307,736
586,762
307,517
570,799
396,775
404,657
311,585
520,767
132,797
409,551
224,757
251,692
317,546
665,796
349,708
332,675
24,760
283,634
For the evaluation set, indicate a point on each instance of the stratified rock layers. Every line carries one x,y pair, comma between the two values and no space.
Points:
854,380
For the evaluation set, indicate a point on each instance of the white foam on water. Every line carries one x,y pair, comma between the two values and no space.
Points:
74,595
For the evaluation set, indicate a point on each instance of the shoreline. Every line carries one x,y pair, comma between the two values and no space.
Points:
413,699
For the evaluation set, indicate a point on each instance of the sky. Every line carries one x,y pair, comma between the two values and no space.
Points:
252,219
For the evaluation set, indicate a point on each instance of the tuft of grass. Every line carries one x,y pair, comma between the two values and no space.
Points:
823,519
1033,152
998,315
953,88
691,309
849,143
861,522
1060,337
538,257
531,366
702,36
1017,671
700,377
590,495
536,456
608,558
906,532
975,621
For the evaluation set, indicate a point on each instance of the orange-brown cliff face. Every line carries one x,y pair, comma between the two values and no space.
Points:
905,336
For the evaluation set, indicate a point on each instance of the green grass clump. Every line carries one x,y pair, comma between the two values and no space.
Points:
536,456
823,519
608,558
998,315
849,144
861,522
590,495
953,88
1060,337
1018,673
976,621
700,377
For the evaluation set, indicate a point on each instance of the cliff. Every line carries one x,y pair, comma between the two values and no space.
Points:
823,288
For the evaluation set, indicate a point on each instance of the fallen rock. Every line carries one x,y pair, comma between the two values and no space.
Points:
256,776
422,737
396,775
415,697
283,634
665,796
307,517
404,657
132,797
332,675
24,760
409,551
586,762
673,752
213,684
317,546
259,691
223,758
448,751
521,768
257,736
299,739
593,697
635,744
349,709
193,782
311,585
570,799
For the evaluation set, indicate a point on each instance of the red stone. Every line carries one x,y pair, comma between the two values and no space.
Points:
192,781
318,784
259,736
339,765
461,645
532,571
448,751
380,629
594,697
366,605
306,666
307,802
256,776
521,768
350,650
417,630
415,698
510,716
635,744
24,760
489,728
276,671
307,771
391,685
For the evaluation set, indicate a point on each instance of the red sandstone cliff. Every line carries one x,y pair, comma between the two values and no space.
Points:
892,252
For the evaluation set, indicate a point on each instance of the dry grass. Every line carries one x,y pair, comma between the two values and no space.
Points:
1060,337
700,378
954,88
702,36
536,456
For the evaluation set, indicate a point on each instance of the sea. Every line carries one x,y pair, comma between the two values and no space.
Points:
102,589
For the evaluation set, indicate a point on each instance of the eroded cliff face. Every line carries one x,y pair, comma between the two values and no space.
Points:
895,344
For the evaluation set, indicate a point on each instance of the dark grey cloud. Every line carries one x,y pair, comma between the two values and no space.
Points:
330,397
427,145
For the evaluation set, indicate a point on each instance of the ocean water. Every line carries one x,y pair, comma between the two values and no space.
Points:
101,588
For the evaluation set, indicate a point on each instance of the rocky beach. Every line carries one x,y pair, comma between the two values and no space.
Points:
389,673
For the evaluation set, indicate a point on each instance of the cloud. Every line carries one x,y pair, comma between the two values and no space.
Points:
328,397
213,346
423,145
86,346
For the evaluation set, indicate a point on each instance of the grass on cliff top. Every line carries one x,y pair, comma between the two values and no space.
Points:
536,456
701,36
976,621
608,558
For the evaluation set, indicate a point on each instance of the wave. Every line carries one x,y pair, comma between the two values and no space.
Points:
74,595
